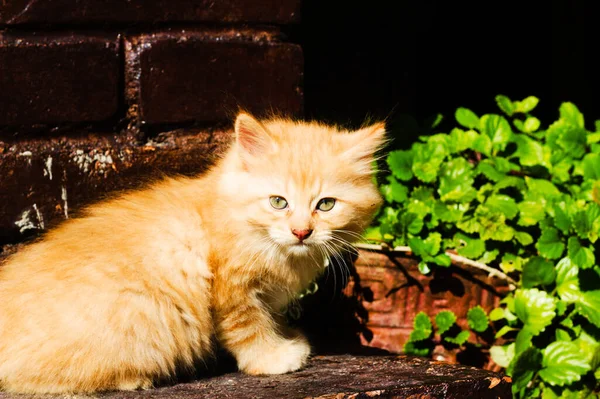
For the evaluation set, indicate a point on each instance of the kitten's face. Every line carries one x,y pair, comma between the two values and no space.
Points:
306,189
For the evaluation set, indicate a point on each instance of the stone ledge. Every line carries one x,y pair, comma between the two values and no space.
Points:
342,377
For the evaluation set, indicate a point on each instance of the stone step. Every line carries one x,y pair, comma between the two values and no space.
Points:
341,377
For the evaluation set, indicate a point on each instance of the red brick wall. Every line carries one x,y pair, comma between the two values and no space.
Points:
97,96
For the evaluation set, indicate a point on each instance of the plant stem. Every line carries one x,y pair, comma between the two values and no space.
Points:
455,257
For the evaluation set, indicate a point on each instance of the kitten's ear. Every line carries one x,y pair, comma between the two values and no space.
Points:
364,143
251,136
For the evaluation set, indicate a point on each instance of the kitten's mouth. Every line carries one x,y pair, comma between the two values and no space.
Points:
299,248
301,244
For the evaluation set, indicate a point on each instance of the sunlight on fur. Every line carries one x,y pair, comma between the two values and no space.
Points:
137,289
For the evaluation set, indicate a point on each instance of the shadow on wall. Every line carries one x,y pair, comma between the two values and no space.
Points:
334,317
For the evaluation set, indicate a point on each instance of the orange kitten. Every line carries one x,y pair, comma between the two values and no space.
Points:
137,289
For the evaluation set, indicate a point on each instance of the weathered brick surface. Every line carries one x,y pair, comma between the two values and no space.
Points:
45,181
51,78
15,12
206,75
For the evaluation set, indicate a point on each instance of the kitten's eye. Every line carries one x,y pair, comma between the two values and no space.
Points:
278,202
326,204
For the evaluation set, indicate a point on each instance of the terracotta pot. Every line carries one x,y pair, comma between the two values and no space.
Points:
384,293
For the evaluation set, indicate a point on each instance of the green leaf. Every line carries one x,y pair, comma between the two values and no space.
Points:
415,349
562,335
442,260
411,223
419,335
593,138
580,255
487,168
456,181
591,166
561,171
477,319
436,120
574,142
523,238
589,347
502,204
519,125
523,341
531,124
460,140
497,314
510,181
503,355
524,367
535,309
526,105
550,245
505,104
423,194
422,327
491,225
538,271
482,144
449,212
561,307
444,320
423,268
427,160
563,363
511,262
529,152
468,247
497,128
400,163
503,331
422,322
460,338
489,256
373,233
395,191
561,219
469,225
467,118
531,213
587,222
571,114
542,187
588,305
430,246
567,283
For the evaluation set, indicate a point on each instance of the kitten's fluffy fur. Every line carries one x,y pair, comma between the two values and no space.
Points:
138,288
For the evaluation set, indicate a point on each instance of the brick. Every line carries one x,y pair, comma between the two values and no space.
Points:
45,181
179,76
15,12
53,78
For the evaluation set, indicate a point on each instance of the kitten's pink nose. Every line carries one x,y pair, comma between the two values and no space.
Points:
302,234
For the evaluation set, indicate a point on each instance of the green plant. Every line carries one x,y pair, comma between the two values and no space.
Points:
524,203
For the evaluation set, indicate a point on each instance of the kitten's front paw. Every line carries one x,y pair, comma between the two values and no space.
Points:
290,355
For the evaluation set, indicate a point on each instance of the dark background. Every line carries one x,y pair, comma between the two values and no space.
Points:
386,59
